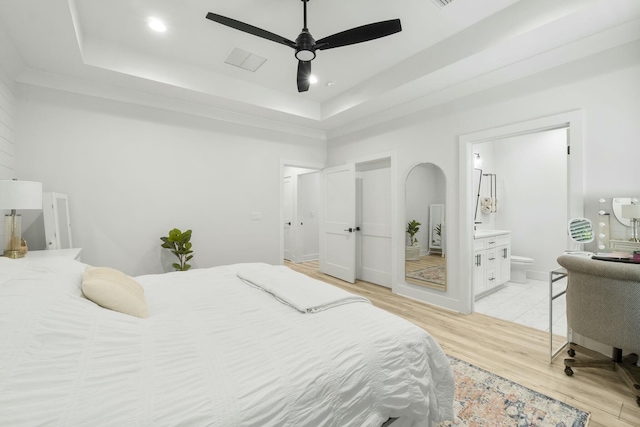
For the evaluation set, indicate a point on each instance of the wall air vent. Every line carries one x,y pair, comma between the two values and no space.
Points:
442,3
245,60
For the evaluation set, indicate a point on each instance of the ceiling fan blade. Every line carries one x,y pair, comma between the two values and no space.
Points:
250,29
360,34
304,72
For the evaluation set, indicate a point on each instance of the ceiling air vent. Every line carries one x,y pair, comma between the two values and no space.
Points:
442,3
245,60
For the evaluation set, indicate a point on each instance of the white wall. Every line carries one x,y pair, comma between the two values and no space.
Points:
10,63
605,87
132,173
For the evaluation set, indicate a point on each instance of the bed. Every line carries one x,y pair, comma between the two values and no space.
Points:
215,350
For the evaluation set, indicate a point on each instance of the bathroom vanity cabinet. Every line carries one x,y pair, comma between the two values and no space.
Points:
491,260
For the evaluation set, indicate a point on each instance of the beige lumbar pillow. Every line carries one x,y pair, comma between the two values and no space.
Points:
114,290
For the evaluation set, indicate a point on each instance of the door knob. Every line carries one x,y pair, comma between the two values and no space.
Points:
350,230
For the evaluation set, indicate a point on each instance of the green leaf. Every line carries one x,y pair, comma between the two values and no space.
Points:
176,265
186,267
189,257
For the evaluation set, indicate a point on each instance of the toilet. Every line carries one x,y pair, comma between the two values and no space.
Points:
519,265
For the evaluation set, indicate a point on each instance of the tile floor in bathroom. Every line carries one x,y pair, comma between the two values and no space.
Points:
527,304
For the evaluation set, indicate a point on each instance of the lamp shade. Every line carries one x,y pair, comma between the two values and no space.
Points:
631,211
20,194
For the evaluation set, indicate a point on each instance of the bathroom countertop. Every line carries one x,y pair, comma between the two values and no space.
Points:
479,234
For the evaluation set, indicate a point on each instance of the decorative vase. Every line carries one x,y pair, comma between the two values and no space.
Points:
412,253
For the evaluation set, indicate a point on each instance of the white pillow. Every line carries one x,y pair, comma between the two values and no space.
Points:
114,290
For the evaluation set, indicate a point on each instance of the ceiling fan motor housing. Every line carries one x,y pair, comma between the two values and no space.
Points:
305,46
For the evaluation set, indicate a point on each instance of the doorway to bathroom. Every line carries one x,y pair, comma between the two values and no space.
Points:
523,190
538,185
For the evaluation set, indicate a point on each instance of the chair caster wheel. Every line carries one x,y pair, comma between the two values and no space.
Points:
571,352
568,371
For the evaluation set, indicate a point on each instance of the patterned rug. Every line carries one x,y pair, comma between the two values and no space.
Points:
483,399
433,274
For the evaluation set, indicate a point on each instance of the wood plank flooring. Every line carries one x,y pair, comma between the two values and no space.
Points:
515,352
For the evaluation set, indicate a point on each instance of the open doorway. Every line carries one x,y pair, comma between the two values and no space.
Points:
571,124
299,212
525,177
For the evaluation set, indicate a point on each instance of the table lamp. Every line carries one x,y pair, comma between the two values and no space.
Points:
633,213
15,195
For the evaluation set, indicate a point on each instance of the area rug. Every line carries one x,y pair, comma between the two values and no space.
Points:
483,399
433,274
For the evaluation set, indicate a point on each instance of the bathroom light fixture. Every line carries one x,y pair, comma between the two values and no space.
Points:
157,25
477,161
633,213
313,79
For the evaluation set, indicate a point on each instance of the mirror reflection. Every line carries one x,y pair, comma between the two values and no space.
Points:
425,247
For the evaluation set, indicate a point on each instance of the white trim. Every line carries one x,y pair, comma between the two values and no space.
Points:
158,100
573,121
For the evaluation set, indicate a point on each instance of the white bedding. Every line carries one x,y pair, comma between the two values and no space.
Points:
213,352
301,292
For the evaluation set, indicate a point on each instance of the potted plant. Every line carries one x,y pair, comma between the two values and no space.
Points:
412,252
180,246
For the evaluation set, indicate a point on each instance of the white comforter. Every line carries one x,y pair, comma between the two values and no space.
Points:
213,352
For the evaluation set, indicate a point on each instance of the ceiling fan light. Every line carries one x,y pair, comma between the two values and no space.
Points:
305,55
157,25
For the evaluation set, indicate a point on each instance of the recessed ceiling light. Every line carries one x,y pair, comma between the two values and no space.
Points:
157,25
313,79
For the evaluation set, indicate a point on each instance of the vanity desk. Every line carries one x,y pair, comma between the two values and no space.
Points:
623,245
492,260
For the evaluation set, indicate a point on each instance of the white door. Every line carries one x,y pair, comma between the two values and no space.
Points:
307,228
288,216
338,222
374,247
57,226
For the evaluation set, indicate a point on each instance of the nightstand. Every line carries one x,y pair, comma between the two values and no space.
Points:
74,253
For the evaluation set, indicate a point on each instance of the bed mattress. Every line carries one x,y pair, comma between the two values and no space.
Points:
213,352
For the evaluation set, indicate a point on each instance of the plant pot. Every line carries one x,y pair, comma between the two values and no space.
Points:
412,253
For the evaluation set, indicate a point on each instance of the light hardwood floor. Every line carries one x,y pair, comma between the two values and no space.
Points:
515,352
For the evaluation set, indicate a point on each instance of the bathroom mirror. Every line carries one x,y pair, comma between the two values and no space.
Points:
425,246
616,206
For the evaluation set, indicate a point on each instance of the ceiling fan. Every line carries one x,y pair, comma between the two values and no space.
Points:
305,45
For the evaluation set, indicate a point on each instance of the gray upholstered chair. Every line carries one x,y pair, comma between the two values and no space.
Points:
603,304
